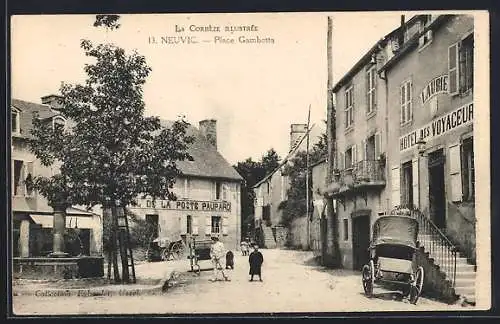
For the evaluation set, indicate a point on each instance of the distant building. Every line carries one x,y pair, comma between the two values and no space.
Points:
31,214
271,191
208,194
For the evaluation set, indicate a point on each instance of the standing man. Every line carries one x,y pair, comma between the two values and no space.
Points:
217,253
255,259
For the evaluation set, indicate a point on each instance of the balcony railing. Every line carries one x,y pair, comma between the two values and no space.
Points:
362,173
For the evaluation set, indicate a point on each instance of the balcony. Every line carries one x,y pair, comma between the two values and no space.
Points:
363,176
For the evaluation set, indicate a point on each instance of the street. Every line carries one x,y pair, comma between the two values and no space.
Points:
291,283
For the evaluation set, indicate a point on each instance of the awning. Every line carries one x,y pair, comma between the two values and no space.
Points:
71,221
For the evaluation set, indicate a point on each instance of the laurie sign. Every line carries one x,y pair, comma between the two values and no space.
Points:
439,126
196,205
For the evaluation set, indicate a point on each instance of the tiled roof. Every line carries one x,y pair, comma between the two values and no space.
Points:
208,162
27,110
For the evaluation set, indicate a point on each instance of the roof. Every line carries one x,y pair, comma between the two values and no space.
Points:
208,162
27,110
413,42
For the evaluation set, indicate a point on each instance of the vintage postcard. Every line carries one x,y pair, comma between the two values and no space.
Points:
250,163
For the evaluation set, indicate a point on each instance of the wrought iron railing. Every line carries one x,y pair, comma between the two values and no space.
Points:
368,171
440,248
365,171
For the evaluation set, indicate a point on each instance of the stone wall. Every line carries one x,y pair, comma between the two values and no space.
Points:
298,233
461,228
281,235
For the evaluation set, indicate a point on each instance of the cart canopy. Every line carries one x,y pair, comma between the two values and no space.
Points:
395,229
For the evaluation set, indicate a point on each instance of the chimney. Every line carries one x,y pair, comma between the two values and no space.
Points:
54,101
208,128
296,133
402,31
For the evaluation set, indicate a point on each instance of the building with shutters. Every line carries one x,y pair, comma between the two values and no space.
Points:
430,149
404,138
31,215
208,194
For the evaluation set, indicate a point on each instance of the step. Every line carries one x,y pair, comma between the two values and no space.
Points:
464,291
460,282
465,275
459,268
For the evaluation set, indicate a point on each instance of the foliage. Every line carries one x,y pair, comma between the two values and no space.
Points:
108,21
270,161
111,152
296,205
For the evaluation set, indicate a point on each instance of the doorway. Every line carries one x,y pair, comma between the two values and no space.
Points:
152,225
360,240
437,198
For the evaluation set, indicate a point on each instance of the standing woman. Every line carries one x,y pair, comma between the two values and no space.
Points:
255,259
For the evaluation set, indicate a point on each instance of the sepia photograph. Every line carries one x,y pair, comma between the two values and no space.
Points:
249,163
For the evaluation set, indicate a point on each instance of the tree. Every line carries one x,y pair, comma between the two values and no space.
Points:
112,154
270,161
108,21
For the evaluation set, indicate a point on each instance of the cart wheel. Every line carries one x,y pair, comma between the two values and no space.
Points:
368,274
416,287
165,255
177,250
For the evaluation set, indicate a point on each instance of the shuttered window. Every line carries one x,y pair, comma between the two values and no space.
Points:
415,180
406,98
208,225
395,188
453,75
225,225
455,172
195,225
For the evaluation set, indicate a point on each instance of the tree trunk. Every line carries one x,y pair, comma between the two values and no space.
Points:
122,244
114,256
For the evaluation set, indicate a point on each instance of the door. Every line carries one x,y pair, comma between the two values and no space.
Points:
437,199
360,241
323,238
152,225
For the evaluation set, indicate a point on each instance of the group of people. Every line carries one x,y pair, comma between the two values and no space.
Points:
218,252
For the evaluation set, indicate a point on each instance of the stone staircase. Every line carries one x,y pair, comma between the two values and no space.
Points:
465,275
269,241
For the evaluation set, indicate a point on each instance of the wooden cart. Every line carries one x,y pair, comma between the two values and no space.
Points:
164,249
199,250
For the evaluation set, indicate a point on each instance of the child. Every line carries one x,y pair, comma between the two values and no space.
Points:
255,259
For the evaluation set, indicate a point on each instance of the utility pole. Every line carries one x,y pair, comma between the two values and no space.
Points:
332,221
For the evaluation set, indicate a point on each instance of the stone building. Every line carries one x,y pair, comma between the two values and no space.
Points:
31,215
271,191
208,194
404,137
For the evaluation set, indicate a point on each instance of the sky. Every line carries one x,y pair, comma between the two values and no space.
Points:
254,91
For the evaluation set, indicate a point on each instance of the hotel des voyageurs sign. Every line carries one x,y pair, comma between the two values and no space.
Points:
185,205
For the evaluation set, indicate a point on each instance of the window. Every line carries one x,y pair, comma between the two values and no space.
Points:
468,169
349,158
15,121
346,229
189,224
349,106
371,94
466,66
425,37
407,184
461,66
406,102
216,224
22,171
218,190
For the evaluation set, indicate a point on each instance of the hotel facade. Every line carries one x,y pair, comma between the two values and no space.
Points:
404,138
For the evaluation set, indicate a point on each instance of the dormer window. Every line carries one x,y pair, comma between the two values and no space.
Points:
58,122
425,37
15,118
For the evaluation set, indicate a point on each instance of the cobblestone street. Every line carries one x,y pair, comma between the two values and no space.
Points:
291,283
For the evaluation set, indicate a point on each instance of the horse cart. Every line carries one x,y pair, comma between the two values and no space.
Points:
164,249
392,257
199,250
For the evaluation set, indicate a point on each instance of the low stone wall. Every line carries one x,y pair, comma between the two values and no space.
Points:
461,228
435,283
281,234
59,268
298,233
